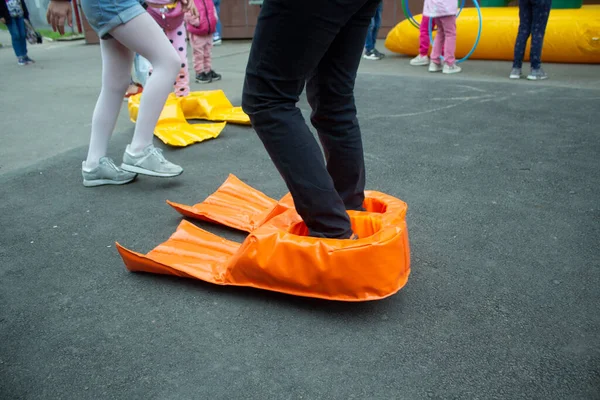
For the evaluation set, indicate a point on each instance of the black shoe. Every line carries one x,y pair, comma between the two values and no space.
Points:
372,55
203,78
214,76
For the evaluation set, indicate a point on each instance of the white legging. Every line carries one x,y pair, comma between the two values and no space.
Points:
140,35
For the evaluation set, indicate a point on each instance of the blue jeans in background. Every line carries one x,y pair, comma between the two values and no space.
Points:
16,27
374,28
217,34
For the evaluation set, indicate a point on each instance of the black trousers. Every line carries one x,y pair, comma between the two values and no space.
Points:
317,43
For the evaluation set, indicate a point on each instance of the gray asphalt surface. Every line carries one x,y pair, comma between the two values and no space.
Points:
502,183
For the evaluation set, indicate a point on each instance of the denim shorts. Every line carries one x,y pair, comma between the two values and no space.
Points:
106,15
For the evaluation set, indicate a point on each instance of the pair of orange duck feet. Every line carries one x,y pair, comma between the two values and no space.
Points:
277,254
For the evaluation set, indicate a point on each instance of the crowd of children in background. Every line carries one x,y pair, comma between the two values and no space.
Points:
202,28
199,26
441,14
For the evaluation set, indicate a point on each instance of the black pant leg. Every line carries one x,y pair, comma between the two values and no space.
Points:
330,92
291,38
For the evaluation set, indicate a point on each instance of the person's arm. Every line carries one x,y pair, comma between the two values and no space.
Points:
191,18
4,14
25,10
187,4
59,12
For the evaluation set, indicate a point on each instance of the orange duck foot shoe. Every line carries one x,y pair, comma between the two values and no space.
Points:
278,255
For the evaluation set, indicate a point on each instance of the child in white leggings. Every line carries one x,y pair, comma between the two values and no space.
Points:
125,28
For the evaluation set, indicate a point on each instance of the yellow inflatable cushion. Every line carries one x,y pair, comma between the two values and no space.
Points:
572,35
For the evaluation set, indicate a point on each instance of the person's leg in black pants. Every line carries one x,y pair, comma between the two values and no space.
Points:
294,40
330,93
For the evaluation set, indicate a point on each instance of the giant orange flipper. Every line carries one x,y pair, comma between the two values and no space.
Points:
235,205
277,255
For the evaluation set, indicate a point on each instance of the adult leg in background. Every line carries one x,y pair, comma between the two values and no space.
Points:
217,34
290,40
330,93
373,28
18,36
22,34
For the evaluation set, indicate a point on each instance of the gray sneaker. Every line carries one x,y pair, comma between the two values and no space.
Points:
515,73
537,74
150,162
106,173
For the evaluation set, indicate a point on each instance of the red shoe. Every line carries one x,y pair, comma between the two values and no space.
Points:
139,89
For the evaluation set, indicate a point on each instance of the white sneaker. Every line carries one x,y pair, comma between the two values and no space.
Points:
419,60
515,73
106,173
433,67
537,74
150,162
451,69
373,55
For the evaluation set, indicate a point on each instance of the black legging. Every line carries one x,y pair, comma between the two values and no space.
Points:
533,16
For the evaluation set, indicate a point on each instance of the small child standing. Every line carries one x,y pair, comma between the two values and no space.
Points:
444,12
201,23
423,57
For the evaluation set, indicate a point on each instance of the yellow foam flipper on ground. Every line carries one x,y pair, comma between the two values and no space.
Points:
213,105
172,127
210,105
572,35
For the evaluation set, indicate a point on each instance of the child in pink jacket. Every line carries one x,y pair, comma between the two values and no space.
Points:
444,12
201,23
